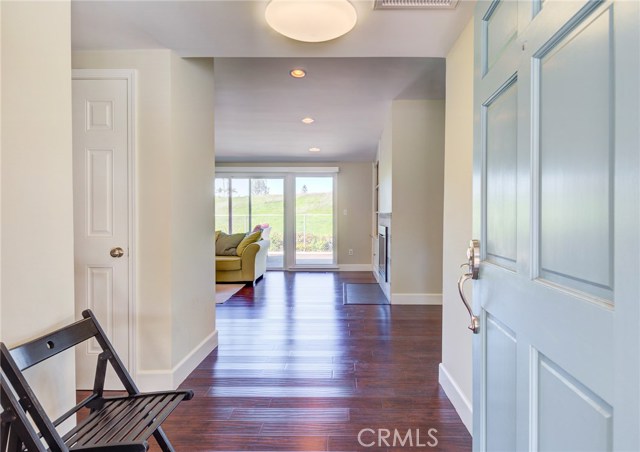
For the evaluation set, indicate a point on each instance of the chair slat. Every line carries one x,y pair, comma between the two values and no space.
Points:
160,417
86,427
117,413
37,350
139,418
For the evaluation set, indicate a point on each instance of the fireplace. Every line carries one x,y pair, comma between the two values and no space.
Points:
383,261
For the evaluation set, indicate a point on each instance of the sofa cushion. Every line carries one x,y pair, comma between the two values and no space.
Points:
225,263
248,240
226,244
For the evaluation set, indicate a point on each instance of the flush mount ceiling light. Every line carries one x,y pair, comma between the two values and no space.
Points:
314,149
308,120
297,73
311,20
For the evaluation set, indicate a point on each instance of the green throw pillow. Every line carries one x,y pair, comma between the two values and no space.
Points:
226,244
248,240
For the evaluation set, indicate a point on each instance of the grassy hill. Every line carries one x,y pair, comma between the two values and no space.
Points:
314,220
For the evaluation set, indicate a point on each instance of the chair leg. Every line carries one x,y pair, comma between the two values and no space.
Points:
162,440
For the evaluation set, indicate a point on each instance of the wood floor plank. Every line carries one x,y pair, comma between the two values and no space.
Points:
296,370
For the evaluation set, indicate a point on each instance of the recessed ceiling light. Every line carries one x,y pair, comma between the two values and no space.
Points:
311,20
297,73
308,120
314,149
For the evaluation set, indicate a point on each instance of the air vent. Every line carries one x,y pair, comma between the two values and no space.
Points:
415,4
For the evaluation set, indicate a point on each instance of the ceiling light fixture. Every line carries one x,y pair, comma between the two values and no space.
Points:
311,20
297,73
308,120
314,149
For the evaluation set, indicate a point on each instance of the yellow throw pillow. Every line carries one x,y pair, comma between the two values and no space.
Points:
248,240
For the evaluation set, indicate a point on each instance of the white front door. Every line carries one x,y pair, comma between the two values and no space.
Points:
101,216
556,210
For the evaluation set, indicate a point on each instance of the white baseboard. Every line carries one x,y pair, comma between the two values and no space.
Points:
417,298
162,380
355,267
457,398
154,380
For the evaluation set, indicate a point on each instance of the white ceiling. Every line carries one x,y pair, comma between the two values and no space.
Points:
389,54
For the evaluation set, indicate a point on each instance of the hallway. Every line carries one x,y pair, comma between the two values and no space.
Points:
296,370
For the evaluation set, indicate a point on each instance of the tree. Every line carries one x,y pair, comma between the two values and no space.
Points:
224,189
259,187
304,189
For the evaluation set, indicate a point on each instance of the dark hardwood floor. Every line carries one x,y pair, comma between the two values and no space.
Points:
296,370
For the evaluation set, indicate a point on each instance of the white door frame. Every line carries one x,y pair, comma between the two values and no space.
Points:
129,75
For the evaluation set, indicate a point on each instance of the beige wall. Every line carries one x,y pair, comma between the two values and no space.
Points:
174,209
410,155
456,338
355,191
37,200
192,216
417,197
385,168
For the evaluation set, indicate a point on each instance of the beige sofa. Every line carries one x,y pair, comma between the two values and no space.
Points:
247,268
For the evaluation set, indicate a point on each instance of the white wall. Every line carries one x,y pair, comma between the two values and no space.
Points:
411,160
175,286
456,370
355,191
37,293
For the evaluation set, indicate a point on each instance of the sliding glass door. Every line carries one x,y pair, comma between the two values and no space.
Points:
295,206
314,220
267,209
244,203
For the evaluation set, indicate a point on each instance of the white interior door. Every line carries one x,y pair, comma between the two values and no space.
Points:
556,208
101,216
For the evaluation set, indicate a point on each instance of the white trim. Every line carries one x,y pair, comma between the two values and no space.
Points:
162,380
130,76
276,169
417,298
456,397
313,268
355,267
336,240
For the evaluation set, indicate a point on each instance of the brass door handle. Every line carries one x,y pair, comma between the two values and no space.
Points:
116,252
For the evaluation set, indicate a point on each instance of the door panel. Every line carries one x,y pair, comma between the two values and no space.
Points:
101,216
576,162
99,179
501,384
501,164
559,397
501,26
558,288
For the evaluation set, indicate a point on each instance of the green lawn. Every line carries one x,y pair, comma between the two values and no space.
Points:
314,220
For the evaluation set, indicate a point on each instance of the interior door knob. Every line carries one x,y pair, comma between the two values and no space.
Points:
116,252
